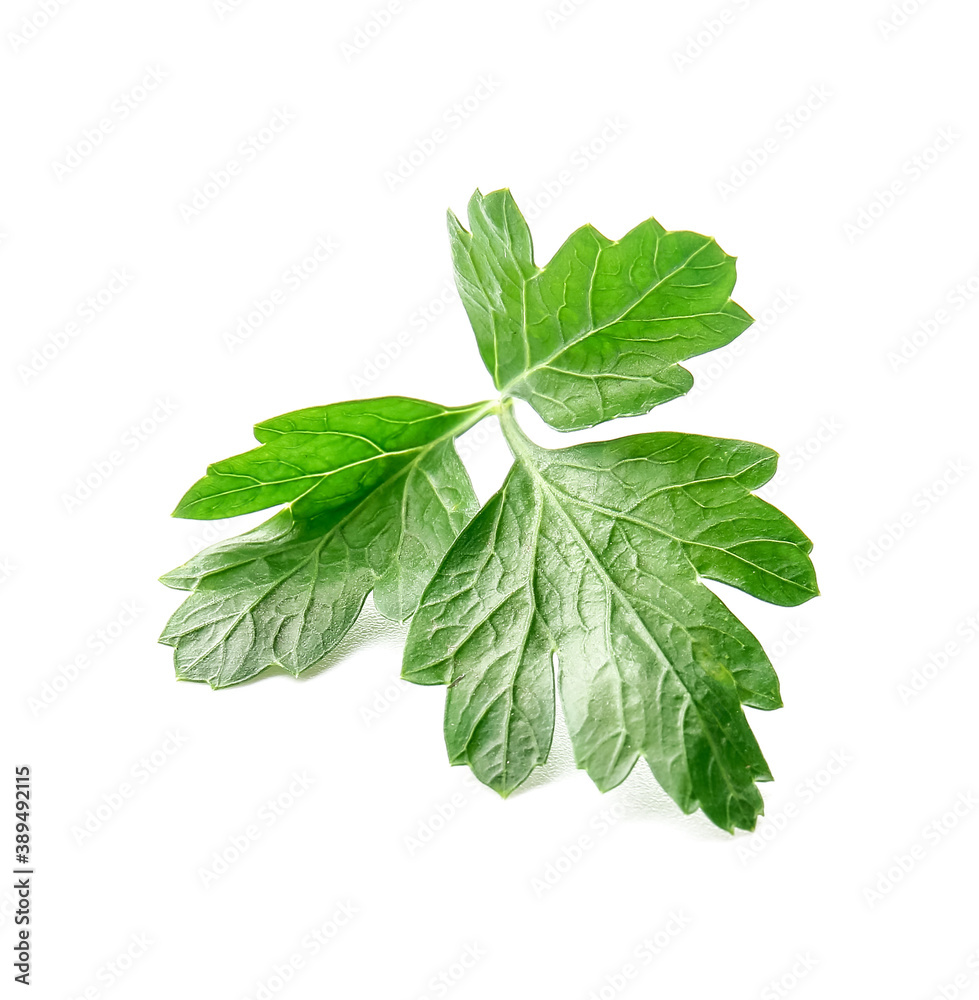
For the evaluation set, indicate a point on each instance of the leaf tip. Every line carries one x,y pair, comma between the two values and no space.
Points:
505,788
774,702
456,228
185,505
176,579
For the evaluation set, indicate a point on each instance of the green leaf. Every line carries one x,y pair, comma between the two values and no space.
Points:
286,593
594,554
584,572
325,457
598,332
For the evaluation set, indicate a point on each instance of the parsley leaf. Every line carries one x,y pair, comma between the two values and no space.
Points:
582,578
594,553
373,509
598,332
325,456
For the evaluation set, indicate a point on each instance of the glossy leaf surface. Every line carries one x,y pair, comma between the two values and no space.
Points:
598,332
593,555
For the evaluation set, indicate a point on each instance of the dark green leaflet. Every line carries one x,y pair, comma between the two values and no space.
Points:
580,579
286,593
593,553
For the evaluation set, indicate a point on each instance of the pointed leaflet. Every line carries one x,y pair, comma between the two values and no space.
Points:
598,332
593,553
324,457
287,592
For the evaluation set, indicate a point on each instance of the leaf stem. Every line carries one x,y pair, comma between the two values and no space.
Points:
520,445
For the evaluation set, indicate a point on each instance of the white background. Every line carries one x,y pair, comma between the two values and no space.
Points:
611,114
